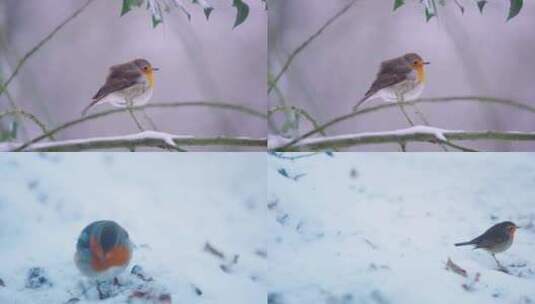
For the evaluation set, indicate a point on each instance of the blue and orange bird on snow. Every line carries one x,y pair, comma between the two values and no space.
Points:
103,250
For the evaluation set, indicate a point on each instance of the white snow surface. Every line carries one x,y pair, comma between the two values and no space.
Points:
379,228
171,205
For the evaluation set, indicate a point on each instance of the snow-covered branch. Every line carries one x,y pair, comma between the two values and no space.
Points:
434,100
153,105
137,140
413,134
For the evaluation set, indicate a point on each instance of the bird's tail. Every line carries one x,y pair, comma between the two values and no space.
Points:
464,243
365,98
84,112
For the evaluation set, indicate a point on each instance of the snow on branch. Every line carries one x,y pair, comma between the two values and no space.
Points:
413,134
434,100
154,105
133,141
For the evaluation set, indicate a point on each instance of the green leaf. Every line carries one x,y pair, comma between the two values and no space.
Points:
207,9
9,133
242,11
128,5
184,11
156,12
155,21
398,3
514,9
481,4
428,15
13,130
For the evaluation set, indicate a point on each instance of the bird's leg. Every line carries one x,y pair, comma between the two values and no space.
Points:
426,122
101,295
117,283
421,115
151,122
400,102
500,266
129,105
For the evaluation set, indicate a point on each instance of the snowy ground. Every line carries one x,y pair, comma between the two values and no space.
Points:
171,204
379,228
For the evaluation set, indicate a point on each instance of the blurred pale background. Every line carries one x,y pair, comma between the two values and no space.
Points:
470,54
198,60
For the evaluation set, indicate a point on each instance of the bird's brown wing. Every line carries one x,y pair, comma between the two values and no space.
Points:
120,77
493,235
394,66
383,81
491,241
117,80
390,73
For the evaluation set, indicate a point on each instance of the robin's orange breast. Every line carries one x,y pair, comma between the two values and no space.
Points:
118,256
100,261
150,78
420,74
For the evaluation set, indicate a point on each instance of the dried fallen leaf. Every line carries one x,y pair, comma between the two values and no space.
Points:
456,268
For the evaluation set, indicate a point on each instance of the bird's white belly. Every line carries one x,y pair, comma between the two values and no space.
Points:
139,95
410,90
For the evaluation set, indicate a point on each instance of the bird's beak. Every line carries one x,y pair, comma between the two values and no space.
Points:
155,69
426,62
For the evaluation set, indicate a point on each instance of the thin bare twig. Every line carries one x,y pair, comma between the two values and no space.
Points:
282,103
296,157
29,116
422,117
41,43
303,45
458,147
151,122
299,111
18,115
402,108
134,118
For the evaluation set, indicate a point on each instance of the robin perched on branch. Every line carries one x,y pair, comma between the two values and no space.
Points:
103,251
127,85
496,239
398,80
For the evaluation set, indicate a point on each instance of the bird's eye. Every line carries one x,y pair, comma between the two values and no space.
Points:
146,68
415,62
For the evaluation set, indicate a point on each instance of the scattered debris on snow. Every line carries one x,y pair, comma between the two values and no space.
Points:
37,278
